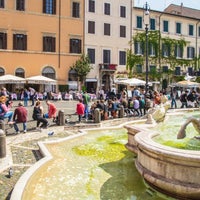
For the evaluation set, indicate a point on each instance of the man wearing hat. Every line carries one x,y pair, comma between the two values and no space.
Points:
20,116
4,110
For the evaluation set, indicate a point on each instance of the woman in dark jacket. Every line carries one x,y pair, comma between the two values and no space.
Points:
38,115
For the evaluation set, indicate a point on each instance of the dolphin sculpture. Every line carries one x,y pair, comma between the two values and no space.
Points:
195,122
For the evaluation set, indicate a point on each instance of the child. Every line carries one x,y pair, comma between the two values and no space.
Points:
80,108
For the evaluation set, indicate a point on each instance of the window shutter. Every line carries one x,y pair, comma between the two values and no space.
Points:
54,44
54,6
193,52
14,42
188,49
25,42
44,6
136,47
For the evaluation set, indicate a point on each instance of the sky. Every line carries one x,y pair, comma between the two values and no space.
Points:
162,4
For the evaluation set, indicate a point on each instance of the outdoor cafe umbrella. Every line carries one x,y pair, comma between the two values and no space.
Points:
131,82
40,80
186,84
11,79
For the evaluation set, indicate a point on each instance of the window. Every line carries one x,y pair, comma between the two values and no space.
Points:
91,27
49,6
49,44
199,31
139,68
190,52
152,50
123,31
76,9
20,5
152,68
178,71
123,11
106,29
75,46
92,6
106,56
138,48
139,22
91,55
152,24
19,42
165,69
122,57
2,71
178,28
106,8
3,40
178,51
20,72
191,30
165,50
2,4
165,26
49,72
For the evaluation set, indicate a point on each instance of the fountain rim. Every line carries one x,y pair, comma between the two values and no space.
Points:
20,186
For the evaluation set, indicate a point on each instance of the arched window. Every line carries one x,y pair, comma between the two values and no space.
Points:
49,72
72,75
2,71
20,72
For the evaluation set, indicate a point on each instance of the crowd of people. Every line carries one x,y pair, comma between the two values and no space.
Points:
109,105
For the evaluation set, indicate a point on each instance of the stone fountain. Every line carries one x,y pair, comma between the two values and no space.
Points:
172,171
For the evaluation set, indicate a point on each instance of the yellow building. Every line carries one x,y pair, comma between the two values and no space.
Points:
40,37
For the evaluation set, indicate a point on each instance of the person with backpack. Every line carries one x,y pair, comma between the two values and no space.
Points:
86,100
183,99
5,111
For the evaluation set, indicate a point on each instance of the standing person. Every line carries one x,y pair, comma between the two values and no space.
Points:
183,99
25,96
173,99
142,106
20,116
38,115
86,100
32,95
136,105
5,110
51,110
80,108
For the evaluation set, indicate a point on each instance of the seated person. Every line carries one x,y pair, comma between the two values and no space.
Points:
51,110
20,116
5,110
38,115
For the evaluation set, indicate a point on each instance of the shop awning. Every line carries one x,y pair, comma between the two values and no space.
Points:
91,80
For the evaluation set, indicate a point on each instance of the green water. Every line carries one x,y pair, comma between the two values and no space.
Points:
91,167
168,131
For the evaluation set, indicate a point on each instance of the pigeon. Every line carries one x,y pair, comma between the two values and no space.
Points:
50,133
10,172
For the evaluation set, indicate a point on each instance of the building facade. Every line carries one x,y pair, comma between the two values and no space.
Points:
178,44
107,35
41,37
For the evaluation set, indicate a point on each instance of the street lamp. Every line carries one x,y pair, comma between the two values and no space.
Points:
146,19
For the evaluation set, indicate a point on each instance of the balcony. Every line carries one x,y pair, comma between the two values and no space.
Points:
108,67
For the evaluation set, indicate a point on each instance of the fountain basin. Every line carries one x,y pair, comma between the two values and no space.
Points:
175,172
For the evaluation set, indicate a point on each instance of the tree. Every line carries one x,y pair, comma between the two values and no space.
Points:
82,67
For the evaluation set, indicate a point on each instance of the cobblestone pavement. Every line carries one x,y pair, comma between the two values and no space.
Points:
22,150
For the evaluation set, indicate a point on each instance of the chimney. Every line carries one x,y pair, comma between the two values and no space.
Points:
181,8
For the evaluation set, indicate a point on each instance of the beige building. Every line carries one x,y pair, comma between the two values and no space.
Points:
41,37
107,35
176,22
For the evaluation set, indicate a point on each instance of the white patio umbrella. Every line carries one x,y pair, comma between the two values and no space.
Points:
40,80
186,84
131,82
8,78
